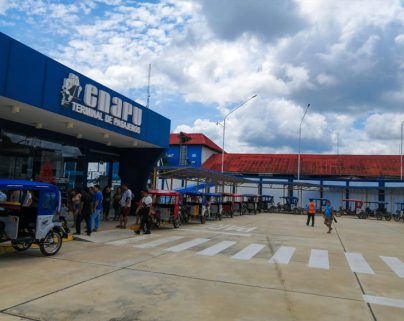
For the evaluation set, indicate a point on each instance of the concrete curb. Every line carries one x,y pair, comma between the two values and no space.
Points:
6,249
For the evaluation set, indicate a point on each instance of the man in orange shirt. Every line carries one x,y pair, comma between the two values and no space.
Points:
311,212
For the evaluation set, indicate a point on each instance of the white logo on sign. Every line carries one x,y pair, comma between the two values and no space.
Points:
99,104
71,90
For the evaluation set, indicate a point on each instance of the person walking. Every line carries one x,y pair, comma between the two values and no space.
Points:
328,215
125,203
311,212
106,202
84,213
116,205
144,211
97,208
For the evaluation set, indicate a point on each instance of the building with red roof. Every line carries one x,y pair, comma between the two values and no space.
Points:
311,166
369,177
190,149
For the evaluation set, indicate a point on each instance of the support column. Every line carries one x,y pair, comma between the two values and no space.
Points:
260,187
347,194
382,195
110,171
321,188
290,187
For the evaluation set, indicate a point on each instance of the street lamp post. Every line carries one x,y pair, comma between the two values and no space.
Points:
401,152
224,125
300,139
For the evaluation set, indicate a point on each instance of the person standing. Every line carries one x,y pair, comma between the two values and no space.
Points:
144,211
86,206
106,202
3,197
76,202
97,208
125,202
311,212
328,215
116,205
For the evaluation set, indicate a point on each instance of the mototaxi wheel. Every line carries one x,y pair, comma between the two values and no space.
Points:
51,244
396,217
379,216
387,217
203,219
21,246
177,222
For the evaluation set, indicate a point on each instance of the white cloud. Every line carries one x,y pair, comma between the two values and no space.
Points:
346,60
4,6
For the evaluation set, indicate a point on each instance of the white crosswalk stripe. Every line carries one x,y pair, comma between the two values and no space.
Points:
358,264
186,245
217,248
283,255
395,264
319,259
397,303
159,242
248,252
130,240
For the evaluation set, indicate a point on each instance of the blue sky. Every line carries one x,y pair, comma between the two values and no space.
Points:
343,57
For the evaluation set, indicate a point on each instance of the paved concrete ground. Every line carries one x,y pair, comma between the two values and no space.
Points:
264,267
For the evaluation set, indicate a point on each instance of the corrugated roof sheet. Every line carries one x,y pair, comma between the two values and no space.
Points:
196,139
310,165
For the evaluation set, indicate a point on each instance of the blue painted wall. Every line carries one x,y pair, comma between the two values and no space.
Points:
194,155
33,78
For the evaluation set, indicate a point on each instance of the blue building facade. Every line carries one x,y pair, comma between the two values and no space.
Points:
56,123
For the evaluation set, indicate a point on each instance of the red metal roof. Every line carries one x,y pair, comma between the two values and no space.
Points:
310,165
196,139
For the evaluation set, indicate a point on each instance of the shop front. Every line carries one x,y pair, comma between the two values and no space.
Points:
56,125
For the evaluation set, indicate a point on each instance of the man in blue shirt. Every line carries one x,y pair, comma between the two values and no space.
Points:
97,208
328,215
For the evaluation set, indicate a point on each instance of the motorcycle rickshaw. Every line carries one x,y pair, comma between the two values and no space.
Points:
191,207
289,205
356,210
266,203
250,203
399,214
238,204
212,206
29,215
165,208
375,209
227,204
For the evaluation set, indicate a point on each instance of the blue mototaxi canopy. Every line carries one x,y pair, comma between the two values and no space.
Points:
191,193
14,184
376,202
